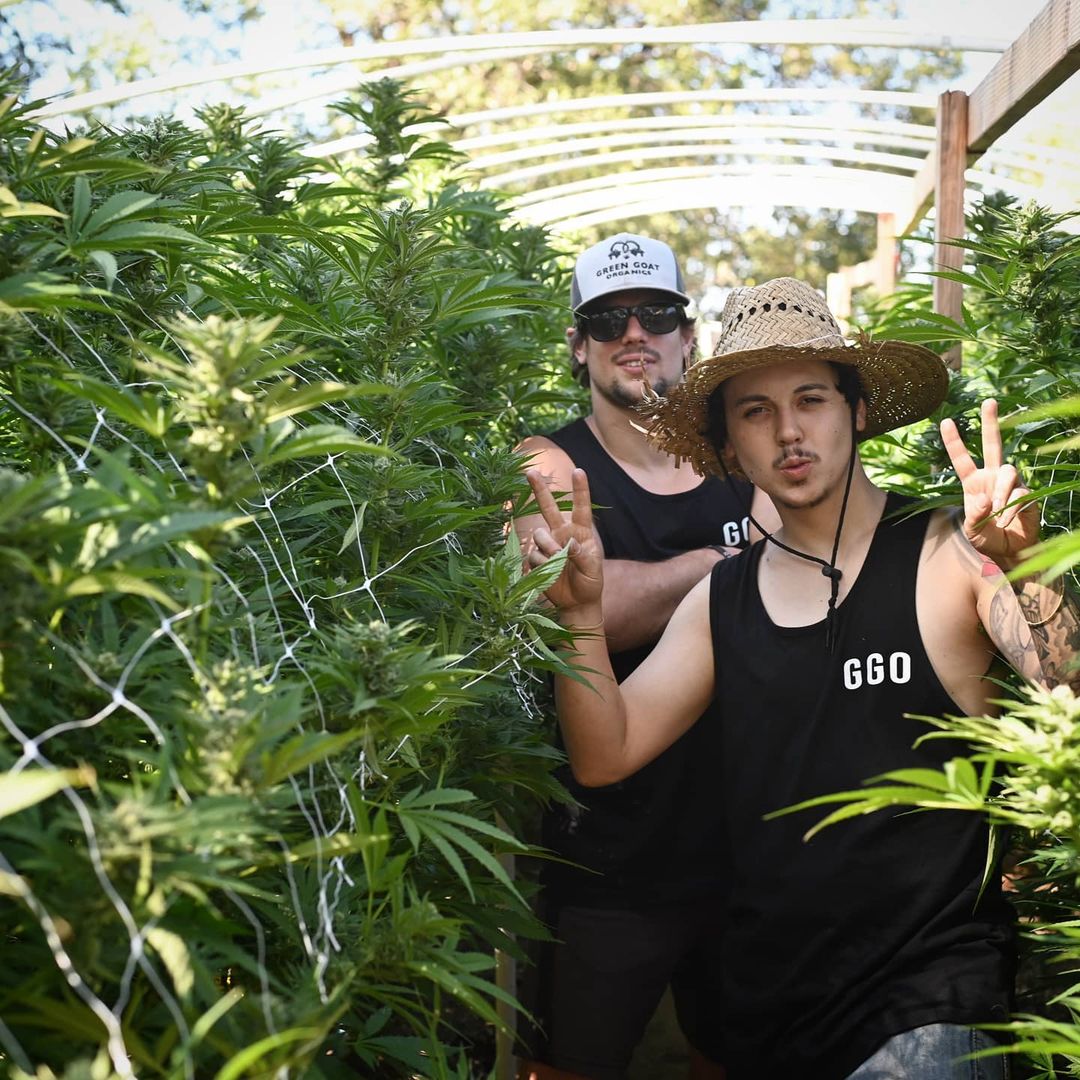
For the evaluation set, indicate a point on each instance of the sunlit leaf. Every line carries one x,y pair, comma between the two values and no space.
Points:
22,789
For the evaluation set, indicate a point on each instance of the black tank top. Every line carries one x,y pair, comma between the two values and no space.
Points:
876,925
652,838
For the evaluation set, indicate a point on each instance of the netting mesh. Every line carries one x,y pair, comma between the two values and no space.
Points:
247,631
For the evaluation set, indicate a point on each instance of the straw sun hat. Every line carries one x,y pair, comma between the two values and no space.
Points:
785,319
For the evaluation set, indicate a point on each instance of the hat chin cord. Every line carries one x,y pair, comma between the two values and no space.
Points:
828,568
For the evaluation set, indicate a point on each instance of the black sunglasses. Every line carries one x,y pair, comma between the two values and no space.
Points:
611,323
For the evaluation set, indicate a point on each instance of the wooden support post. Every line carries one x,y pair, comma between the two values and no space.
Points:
884,259
879,271
505,980
838,296
952,144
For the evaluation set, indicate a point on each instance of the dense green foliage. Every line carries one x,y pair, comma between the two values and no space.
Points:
267,663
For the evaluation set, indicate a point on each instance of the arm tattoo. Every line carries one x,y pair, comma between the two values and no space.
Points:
1036,626
1053,620
1008,630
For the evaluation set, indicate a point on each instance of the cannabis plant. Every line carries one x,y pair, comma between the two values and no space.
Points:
268,730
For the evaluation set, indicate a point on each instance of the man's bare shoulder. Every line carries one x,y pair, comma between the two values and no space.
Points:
554,463
944,526
950,569
945,541
953,585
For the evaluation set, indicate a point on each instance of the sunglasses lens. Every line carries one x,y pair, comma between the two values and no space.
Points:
608,325
611,323
658,318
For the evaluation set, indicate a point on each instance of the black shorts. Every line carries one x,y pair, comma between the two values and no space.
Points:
594,989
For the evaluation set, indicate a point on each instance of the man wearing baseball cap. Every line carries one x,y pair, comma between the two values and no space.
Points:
635,897
871,949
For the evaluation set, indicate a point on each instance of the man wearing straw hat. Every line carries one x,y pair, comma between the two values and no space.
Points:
634,894
869,950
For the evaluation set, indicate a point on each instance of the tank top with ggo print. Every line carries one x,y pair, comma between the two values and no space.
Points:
876,925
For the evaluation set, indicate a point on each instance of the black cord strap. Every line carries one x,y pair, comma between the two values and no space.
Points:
828,567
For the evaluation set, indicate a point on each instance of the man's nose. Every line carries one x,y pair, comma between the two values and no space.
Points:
634,330
788,429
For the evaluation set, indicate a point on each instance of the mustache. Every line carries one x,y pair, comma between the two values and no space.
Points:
789,456
634,352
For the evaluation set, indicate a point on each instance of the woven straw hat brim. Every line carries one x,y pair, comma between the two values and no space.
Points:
903,382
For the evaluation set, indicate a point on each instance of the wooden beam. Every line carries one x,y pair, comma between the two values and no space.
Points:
1035,65
505,980
923,184
952,143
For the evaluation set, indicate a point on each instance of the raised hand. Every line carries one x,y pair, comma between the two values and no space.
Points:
582,580
993,522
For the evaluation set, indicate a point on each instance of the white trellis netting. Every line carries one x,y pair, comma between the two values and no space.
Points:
277,619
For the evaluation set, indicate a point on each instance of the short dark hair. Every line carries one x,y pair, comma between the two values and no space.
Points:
576,339
847,382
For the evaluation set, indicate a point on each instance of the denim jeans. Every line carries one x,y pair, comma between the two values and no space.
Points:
934,1052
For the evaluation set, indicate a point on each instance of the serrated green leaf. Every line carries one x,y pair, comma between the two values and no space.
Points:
303,750
440,826
241,1064
453,985
479,825
116,581
11,207
106,262
141,411
80,203
339,844
418,798
163,530
354,529
451,857
323,439
43,292
138,236
122,204
289,400
31,786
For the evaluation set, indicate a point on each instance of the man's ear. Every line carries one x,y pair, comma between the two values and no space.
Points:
578,351
860,415
687,343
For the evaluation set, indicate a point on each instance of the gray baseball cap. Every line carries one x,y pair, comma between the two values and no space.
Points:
625,261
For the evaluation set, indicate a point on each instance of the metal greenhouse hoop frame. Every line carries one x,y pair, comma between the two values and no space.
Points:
932,167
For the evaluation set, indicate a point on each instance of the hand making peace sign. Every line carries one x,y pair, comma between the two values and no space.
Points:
993,522
582,581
